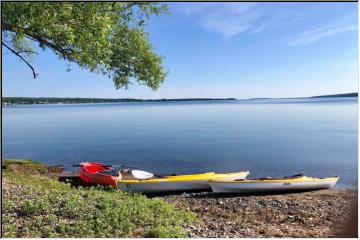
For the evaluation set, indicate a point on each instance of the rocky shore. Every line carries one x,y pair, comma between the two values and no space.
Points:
324,213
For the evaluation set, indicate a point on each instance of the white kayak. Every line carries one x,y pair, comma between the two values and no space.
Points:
295,183
191,182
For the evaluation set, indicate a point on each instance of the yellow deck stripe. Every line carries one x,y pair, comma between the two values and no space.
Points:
193,177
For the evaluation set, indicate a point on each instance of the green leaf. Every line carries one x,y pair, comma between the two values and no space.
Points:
108,38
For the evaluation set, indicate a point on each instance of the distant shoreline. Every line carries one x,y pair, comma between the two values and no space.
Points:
55,100
45,100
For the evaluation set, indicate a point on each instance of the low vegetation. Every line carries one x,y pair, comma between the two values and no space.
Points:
23,166
37,206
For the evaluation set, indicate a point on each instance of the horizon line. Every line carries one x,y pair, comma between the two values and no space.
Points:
336,94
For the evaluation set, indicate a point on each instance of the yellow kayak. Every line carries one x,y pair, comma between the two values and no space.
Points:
297,182
189,182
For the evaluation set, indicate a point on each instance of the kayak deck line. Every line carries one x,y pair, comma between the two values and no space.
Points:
278,180
188,177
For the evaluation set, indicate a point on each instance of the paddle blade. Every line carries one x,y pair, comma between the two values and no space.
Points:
141,174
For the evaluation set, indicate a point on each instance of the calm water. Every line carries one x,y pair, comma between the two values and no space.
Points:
316,137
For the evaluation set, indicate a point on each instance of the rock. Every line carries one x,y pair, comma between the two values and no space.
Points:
55,169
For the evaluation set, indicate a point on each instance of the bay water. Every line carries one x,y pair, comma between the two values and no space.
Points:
269,137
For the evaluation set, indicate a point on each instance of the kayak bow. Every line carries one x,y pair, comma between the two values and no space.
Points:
98,174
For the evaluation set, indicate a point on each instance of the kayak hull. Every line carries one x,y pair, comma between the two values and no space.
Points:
166,186
99,179
88,173
254,186
181,183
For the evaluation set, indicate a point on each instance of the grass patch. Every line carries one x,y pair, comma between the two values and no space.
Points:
24,166
37,206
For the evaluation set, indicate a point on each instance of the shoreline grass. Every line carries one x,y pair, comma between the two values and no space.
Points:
37,206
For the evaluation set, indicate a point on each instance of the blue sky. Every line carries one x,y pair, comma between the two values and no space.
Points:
240,50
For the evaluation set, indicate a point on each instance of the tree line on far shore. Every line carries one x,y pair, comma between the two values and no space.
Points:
46,100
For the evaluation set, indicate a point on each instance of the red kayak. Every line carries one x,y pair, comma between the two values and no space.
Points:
97,173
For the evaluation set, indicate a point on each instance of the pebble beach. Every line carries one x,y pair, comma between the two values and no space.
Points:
324,213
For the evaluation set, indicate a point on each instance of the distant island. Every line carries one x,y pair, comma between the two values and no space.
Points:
337,95
321,96
51,100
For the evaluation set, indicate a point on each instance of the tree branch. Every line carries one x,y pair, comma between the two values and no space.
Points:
66,53
21,57
27,51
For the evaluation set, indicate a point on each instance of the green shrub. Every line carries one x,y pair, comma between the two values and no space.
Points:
165,232
42,207
24,166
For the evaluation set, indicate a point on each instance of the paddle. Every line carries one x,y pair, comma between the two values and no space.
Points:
80,165
61,165
141,174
